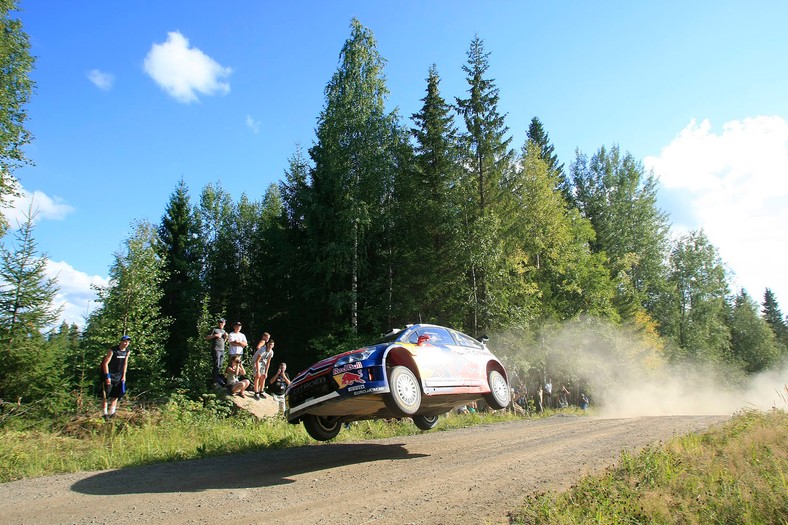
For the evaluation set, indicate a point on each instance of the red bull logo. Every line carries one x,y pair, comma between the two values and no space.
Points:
349,378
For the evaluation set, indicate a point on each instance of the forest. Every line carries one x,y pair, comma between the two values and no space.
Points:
384,220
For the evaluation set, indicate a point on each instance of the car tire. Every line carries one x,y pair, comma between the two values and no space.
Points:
499,396
404,399
425,422
322,428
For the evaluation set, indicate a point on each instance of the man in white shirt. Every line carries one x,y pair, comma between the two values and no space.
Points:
236,341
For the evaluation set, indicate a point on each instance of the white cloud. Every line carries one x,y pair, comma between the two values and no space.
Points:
184,71
101,79
253,124
76,296
42,206
737,184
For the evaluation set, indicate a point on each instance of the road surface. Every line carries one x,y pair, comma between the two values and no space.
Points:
467,476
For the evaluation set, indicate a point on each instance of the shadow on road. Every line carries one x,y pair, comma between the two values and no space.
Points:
248,470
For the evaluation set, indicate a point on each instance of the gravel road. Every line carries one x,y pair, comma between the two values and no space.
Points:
468,476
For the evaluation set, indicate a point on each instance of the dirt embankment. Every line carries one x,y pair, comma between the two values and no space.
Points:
469,476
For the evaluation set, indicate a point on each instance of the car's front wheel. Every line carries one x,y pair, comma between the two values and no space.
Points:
425,422
322,428
500,395
404,399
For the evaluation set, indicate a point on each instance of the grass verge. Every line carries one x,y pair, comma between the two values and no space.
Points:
735,473
180,430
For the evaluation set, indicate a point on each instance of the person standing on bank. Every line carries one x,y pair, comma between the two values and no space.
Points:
217,337
113,375
262,360
237,341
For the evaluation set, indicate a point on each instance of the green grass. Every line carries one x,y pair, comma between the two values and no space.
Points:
737,473
180,430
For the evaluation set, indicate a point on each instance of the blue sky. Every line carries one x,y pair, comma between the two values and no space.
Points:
133,96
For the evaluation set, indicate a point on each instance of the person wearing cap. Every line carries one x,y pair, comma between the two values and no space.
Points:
237,341
217,337
113,375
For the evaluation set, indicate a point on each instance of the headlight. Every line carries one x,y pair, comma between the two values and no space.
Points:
354,357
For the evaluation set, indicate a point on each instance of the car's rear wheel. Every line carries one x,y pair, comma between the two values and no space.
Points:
500,395
405,396
322,428
425,422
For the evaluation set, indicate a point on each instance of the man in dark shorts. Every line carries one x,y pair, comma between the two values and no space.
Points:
113,375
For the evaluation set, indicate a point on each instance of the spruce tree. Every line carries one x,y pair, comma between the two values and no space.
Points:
267,276
487,160
540,137
26,294
215,212
29,366
774,317
753,343
181,253
427,223
351,182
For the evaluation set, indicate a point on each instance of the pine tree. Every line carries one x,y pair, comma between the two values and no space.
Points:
16,88
27,311
752,342
295,276
487,158
539,136
427,276
774,317
240,251
354,167
181,252
267,286
26,295
215,216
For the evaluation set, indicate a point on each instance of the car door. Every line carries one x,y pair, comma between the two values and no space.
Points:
435,357
471,357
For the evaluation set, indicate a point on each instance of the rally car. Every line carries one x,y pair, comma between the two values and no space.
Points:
419,371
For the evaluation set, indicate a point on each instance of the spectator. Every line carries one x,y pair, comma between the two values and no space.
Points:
548,393
235,376
563,397
263,340
583,401
539,399
522,398
277,386
260,363
218,337
237,341
113,375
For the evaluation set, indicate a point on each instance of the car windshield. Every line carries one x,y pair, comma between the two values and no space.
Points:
389,337
436,335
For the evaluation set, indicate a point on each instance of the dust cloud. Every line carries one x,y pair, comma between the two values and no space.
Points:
625,373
